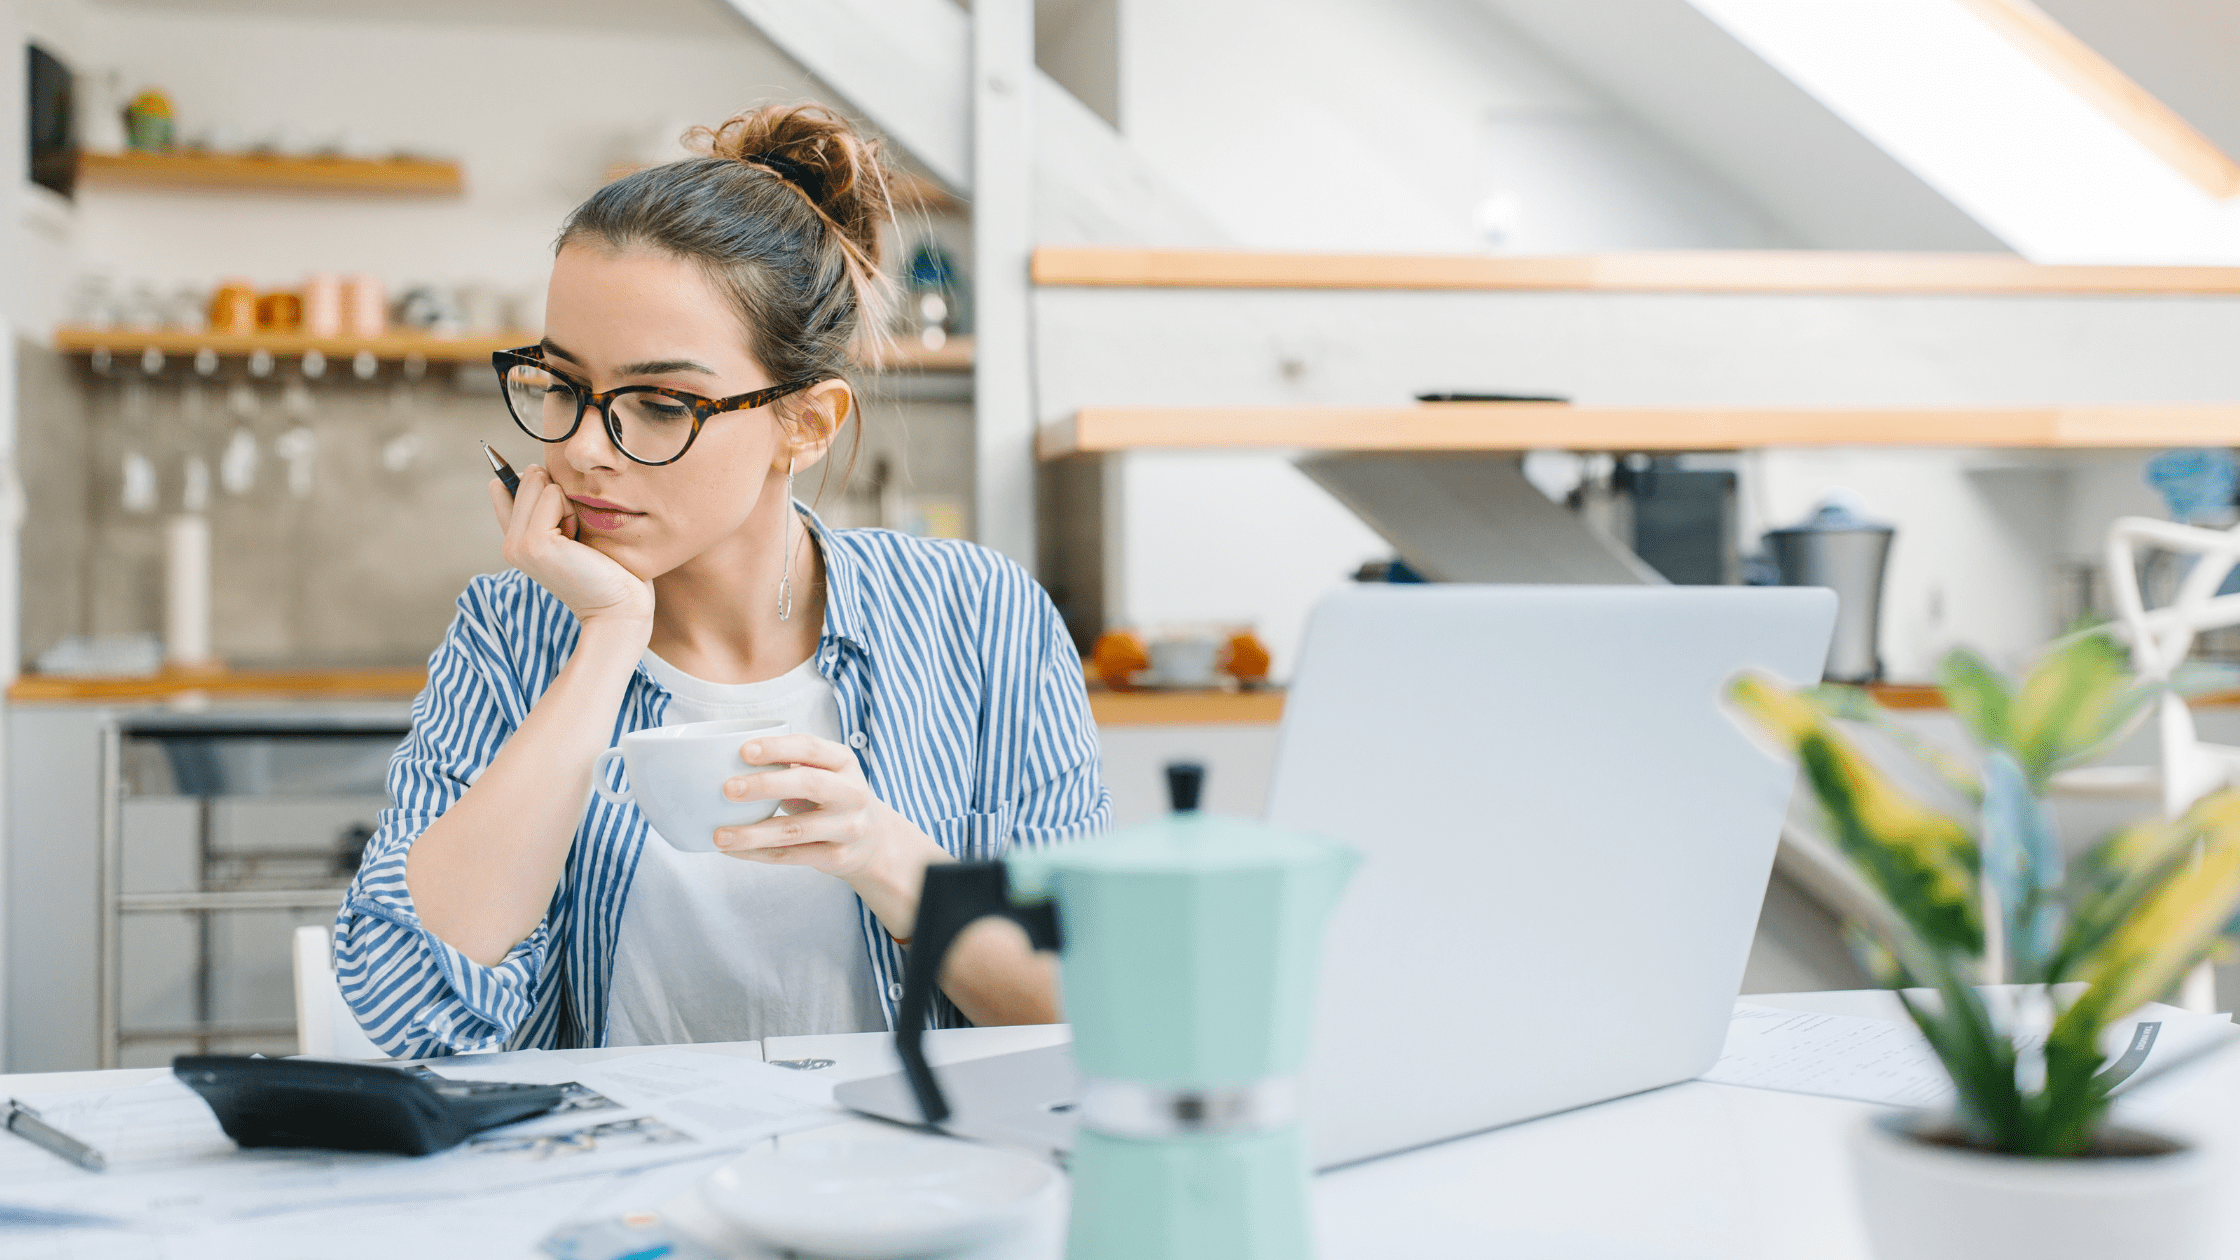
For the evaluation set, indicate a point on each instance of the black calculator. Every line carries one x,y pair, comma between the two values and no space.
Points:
353,1106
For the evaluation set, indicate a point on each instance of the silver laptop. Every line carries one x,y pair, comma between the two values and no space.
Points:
1566,841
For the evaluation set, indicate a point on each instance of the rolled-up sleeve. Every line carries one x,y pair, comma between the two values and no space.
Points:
1058,784
414,995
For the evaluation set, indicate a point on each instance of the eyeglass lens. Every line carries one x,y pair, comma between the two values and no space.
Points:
651,427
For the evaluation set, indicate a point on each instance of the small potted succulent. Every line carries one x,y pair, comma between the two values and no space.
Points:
2028,1162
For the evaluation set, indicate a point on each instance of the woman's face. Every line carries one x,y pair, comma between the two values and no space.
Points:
639,318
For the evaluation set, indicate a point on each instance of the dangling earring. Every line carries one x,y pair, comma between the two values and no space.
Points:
785,582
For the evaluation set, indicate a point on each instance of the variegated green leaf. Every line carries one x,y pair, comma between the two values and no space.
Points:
1923,863
1978,695
2077,697
1857,704
2174,925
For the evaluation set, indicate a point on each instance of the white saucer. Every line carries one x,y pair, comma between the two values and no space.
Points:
877,1195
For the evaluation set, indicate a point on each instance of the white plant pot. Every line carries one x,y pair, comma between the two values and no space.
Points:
1928,1201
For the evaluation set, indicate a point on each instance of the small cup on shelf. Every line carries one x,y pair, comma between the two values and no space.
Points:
322,304
233,307
279,312
365,305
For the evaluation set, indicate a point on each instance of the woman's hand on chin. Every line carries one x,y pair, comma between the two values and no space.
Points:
832,823
540,527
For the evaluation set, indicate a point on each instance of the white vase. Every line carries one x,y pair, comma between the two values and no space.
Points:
1928,1201
101,102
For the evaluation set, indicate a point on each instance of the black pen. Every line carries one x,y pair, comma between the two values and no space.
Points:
26,1124
506,475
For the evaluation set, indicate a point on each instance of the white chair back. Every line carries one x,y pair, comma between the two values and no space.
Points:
325,1028
2161,638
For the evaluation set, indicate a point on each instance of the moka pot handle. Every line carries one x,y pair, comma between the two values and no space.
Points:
956,895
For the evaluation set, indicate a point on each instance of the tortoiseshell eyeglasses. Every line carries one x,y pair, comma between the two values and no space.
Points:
649,424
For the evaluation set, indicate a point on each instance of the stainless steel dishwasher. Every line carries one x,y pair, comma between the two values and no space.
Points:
215,832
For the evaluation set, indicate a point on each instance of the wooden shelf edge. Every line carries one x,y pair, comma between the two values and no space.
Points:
252,172
1689,271
1536,426
1185,708
72,339
904,355
956,356
292,684
1925,697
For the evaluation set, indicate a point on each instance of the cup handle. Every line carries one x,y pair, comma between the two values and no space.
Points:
599,779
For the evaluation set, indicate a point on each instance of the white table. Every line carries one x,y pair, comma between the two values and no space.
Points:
1690,1172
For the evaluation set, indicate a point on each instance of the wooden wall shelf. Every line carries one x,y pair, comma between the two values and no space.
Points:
1693,271
907,355
1132,708
254,172
1558,426
124,342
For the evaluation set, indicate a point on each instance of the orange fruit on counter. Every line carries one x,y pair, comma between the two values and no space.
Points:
1117,657
1248,657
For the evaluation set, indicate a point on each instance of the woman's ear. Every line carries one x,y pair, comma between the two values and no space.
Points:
817,414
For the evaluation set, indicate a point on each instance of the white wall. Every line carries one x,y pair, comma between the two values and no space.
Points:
1383,124
1231,537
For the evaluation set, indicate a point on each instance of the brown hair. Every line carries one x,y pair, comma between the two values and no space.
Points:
783,212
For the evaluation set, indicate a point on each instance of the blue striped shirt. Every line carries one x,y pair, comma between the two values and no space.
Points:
959,689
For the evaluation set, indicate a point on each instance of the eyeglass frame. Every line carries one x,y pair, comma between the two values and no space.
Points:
702,408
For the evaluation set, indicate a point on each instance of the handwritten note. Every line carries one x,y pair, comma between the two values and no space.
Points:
1887,1061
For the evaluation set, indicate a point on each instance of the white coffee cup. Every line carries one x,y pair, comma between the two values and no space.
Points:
676,773
1188,660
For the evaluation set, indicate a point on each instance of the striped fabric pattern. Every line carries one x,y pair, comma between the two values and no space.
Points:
959,689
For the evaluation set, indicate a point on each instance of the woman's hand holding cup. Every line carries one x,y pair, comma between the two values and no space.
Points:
832,821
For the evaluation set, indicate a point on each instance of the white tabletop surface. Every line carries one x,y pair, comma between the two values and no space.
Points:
1695,1171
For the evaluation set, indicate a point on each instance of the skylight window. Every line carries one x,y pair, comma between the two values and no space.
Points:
2019,125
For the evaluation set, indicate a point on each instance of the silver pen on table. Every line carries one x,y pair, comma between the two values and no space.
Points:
25,1123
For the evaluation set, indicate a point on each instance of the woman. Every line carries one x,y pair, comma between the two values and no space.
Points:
664,574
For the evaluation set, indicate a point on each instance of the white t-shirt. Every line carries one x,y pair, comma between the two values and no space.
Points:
716,948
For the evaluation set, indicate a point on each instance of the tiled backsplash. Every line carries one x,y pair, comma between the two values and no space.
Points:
364,568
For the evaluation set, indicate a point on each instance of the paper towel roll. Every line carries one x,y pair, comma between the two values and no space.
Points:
186,591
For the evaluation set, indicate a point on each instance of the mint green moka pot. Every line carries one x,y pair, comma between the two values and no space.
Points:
1189,950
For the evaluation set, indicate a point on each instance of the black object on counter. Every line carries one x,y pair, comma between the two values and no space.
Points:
352,1106
1186,780
1393,570
1462,396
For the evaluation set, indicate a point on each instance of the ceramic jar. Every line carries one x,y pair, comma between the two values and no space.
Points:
1924,1200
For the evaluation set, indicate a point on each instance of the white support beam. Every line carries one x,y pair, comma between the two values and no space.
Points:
1003,127
906,65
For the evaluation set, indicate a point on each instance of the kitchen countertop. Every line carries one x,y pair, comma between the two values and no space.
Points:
222,684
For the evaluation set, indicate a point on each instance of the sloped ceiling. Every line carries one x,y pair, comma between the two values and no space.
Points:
2182,51
1716,101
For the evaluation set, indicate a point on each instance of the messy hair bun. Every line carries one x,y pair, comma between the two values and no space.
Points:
839,172
783,208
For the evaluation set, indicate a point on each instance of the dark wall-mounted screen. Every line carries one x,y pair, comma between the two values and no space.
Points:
54,135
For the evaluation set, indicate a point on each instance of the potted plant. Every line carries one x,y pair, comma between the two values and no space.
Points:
2027,1163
